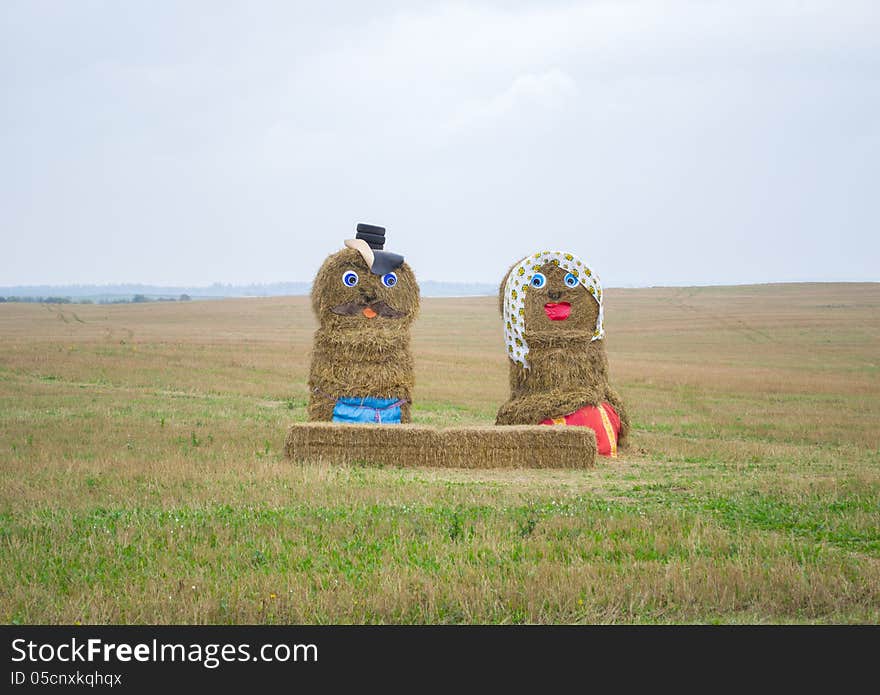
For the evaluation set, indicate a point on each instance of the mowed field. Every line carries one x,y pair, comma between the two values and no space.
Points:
143,478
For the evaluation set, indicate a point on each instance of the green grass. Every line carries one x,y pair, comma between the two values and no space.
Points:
473,559
145,482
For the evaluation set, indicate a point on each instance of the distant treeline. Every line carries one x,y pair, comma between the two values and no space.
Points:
127,293
129,290
136,299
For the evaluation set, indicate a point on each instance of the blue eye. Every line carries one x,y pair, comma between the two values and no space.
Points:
538,280
350,278
389,279
571,280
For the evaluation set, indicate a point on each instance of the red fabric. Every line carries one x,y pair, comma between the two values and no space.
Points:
589,416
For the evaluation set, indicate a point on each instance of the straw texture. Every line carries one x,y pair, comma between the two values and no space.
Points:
355,355
567,368
522,446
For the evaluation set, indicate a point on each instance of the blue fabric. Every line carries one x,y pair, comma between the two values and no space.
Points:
376,410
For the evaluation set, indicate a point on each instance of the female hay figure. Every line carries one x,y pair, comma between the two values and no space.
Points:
553,313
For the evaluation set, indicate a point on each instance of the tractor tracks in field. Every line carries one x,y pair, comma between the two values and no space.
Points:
120,334
61,315
113,334
108,387
730,323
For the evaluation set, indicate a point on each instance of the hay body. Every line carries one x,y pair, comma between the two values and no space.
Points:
354,356
567,370
524,446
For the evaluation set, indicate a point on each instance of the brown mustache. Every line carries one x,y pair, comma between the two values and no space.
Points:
381,308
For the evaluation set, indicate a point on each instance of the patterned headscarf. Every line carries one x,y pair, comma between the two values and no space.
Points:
515,297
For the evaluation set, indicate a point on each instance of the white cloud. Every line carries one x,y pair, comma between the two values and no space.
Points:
527,96
250,139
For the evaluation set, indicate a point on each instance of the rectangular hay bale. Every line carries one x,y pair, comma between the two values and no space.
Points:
516,446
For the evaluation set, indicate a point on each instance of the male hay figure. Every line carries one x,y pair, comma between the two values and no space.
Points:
365,299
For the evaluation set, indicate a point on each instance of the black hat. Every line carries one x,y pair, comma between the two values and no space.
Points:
379,261
373,235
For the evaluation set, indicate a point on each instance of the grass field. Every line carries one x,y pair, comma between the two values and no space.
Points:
143,481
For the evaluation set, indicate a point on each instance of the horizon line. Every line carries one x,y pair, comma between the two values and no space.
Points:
646,285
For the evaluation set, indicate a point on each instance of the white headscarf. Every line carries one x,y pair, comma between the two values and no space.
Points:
518,283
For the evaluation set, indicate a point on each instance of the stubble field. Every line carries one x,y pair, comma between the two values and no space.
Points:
142,480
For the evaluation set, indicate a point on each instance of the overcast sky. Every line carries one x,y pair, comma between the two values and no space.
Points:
664,142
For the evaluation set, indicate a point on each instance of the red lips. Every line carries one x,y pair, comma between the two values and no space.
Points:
557,312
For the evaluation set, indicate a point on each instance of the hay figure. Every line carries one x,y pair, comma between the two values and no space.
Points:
553,313
365,299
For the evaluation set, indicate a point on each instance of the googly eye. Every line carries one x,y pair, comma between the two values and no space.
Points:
538,280
571,280
389,279
350,278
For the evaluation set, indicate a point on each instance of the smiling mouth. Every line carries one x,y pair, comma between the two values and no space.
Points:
370,311
557,312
